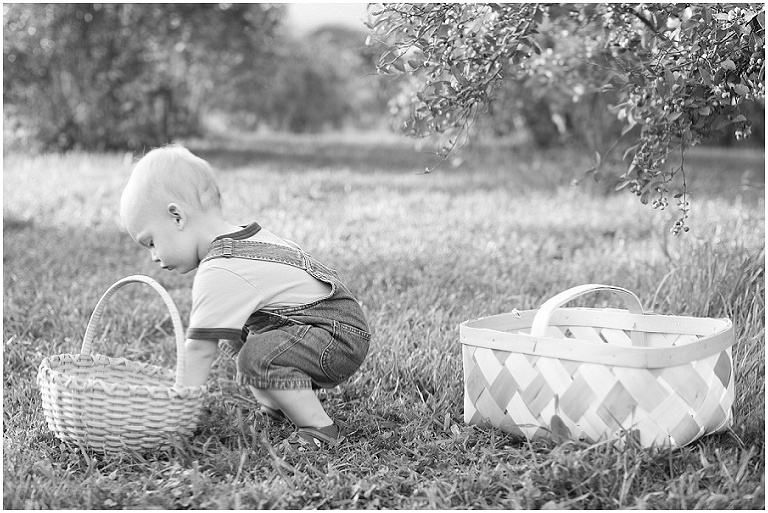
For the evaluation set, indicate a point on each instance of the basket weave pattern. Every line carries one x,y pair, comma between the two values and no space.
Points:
113,404
654,393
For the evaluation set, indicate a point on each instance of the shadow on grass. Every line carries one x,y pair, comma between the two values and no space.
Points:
12,223
309,153
709,170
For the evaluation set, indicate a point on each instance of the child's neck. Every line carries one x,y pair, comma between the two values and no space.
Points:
212,228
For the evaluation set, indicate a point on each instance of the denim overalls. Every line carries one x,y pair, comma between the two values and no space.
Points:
317,345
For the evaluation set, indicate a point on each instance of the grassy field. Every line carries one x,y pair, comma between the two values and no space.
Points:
424,252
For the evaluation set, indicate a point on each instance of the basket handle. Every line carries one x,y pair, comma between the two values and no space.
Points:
94,322
544,313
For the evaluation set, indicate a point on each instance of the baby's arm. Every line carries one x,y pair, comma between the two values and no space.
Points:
199,359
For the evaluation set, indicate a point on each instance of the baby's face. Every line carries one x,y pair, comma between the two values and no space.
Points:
171,245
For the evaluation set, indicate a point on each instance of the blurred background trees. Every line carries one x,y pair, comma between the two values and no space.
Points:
105,76
129,76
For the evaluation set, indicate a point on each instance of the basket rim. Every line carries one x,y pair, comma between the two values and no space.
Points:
95,321
50,374
716,333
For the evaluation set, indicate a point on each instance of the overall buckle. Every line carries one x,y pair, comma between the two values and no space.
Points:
226,248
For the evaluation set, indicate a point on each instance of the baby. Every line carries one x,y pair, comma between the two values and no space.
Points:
288,321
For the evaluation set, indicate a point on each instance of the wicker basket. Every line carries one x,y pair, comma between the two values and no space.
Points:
599,374
113,404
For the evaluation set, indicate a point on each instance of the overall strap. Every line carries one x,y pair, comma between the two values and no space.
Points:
255,250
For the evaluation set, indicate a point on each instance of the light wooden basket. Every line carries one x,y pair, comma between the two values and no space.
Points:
113,404
599,374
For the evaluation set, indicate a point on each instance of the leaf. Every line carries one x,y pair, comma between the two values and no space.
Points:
475,25
706,76
728,64
719,76
442,87
386,56
748,15
626,154
662,87
705,111
721,122
674,115
459,76
741,89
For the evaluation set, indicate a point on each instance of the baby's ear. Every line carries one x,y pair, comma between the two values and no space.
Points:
177,214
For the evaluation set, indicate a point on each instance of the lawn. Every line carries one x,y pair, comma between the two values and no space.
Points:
424,252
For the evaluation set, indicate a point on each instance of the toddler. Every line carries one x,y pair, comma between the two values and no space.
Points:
288,321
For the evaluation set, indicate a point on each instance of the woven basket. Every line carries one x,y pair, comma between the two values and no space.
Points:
113,404
598,374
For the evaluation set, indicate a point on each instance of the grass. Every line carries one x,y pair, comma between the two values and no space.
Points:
424,252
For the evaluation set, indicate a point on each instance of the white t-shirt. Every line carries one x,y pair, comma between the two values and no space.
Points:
226,291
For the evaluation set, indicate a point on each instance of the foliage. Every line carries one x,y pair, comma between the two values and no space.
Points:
104,76
340,198
125,76
560,94
680,72
314,82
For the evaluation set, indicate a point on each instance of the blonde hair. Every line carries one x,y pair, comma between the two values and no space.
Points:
173,173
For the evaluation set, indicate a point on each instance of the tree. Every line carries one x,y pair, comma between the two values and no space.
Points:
681,73
311,84
103,76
